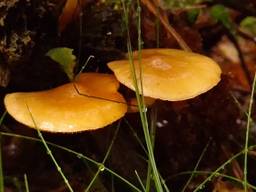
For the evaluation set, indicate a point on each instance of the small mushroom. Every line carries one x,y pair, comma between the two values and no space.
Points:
64,109
169,74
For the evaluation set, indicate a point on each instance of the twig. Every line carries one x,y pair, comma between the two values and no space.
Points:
164,20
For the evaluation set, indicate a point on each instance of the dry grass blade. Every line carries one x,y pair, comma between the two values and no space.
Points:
152,7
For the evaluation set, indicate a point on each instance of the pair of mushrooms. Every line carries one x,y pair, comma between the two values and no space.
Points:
92,101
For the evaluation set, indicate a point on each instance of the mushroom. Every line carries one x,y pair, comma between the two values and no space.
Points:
64,109
169,74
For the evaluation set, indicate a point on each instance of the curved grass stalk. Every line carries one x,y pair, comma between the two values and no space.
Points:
102,167
247,133
1,168
49,152
167,25
153,117
77,154
245,151
196,166
140,181
221,167
26,182
141,105
216,175
1,163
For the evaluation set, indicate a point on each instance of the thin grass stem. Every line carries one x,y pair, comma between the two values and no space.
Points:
102,166
164,184
167,25
94,178
78,155
142,109
196,166
157,23
80,30
216,175
84,65
1,168
2,117
1,160
140,181
112,184
221,167
139,52
240,106
247,134
135,135
124,180
26,183
153,118
49,152
99,98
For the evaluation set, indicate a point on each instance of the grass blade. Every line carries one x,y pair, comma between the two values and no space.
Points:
101,167
49,152
221,167
217,175
247,134
195,168
77,154
1,161
140,181
26,183
140,100
153,116
1,168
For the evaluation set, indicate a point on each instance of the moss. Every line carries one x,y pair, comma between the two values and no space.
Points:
4,8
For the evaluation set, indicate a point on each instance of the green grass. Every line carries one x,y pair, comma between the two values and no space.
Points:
222,175
249,122
76,154
1,168
149,134
49,152
1,161
26,183
196,167
139,92
244,151
247,134
218,171
102,167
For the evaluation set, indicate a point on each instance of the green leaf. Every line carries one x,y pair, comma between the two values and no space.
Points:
180,4
248,24
220,13
65,58
192,15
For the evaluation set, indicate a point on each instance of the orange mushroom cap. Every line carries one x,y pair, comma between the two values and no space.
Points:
169,74
133,104
64,109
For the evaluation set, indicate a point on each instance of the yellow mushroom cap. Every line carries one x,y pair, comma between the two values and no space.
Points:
169,74
63,109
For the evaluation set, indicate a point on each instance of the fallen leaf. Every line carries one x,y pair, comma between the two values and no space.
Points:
64,56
